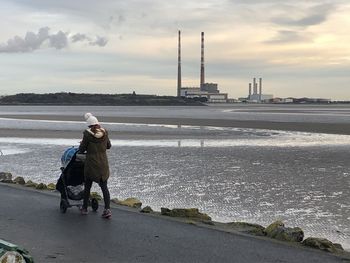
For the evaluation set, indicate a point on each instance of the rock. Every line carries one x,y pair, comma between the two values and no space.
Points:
192,213
164,211
295,234
5,176
19,180
248,228
96,196
7,181
12,257
322,244
338,246
131,202
51,186
41,186
208,222
277,230
30,183
273,226
146,209
11,253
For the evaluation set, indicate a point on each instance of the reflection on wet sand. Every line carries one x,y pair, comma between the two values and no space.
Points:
201,143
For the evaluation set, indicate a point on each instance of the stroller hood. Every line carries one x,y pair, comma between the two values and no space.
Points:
68,155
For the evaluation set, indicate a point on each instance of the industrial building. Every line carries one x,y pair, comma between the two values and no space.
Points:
254,95
205,90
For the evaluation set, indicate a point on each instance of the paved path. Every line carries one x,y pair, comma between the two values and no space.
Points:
32,219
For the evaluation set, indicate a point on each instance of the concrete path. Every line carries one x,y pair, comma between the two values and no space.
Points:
32,220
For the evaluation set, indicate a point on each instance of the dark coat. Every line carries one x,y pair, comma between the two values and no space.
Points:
95,145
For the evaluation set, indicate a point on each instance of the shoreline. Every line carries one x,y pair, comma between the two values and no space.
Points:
328,128
127,135
225,228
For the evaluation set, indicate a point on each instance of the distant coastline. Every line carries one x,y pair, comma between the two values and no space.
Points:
133,99
80,99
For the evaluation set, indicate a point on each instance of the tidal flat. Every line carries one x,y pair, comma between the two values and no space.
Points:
230,173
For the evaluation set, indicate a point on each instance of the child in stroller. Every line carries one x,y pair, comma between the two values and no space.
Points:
71,182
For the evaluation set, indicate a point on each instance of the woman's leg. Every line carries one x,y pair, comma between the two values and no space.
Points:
87,188
105,193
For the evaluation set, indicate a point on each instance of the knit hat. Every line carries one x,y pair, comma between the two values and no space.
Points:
87,115
92,120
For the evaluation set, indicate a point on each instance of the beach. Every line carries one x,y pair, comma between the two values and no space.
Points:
230,162
331,128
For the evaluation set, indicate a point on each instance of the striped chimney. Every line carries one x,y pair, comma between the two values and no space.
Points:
250,91
179,67
260,89
202,61
255,88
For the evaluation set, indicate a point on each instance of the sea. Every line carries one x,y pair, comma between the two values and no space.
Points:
232,174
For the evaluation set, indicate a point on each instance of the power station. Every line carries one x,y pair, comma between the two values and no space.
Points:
210,91
257,96
205,90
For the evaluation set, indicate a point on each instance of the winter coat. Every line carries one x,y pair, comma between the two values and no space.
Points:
95,145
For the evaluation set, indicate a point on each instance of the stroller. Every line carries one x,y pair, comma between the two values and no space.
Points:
71,182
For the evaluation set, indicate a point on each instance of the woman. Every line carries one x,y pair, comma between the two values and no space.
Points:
95,143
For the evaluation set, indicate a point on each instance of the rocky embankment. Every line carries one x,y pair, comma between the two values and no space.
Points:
277,230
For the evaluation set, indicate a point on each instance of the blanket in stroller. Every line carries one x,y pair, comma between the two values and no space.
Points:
75,192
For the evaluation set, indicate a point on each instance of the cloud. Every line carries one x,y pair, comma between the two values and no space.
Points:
30,42
43,39
293,21
78,37
98,41
58,40
287,36
305,17
306,21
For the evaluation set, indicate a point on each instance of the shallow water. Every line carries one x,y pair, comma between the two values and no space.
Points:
230,173
259,112
304,185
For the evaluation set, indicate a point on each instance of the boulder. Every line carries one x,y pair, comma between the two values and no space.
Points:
30,183
322,244
5,176
41,186
146,209
338,246
208,222
7,181
96,196
11,253
51,186
131,202
273,226
191,213
277,230
12,257
19,180
248,228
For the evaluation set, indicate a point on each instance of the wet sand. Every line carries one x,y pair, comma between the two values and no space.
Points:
330,128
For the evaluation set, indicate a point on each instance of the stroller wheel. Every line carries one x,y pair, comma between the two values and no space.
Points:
94,204
63,206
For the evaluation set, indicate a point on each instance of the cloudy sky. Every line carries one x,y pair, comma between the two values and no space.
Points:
299,47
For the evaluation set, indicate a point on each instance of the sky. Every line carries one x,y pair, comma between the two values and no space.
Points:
299,48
